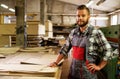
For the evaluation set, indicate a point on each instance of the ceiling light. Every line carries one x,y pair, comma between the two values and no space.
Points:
89,3
4,6
100,2
11,9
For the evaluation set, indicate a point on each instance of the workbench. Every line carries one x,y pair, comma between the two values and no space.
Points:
29,63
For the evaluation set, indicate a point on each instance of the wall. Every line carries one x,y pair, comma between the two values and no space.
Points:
57,11
100,20
119,18
33,7
99,23
60,12
64,13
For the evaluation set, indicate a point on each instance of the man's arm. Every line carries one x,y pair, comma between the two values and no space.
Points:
94,67
102,64
57,61
64,50
105,49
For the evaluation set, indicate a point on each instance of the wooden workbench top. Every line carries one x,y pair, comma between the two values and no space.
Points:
35,63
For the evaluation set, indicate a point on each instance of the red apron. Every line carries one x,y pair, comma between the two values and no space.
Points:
78,52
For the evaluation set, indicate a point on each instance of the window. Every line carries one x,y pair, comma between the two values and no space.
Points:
114,20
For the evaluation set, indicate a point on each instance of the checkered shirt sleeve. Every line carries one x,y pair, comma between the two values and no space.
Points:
102,46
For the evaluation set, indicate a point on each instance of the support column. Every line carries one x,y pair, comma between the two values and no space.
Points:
42,11
21,34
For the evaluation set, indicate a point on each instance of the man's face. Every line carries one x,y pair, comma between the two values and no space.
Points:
82,17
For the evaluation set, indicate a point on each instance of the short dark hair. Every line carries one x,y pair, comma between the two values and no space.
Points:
81,7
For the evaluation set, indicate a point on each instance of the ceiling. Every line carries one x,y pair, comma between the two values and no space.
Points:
10,3
107,5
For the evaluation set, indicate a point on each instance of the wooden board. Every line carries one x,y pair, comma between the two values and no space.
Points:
43,60
2,56
36,49
19,77
36,78
27,68
9,50
18,57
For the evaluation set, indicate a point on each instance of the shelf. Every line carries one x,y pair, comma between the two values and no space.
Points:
32,41
62,30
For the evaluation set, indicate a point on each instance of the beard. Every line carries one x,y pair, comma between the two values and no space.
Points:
83,24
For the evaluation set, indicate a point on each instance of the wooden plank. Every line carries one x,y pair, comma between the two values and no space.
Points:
19,77
35,49
43,60
20,68
9,50
2,56
36,78
27,68
19,56
9,77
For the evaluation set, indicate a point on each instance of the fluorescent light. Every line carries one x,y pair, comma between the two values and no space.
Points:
100,2
11,9
89,3
4,6
99,18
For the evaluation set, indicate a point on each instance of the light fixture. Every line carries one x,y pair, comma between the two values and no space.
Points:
100,2
89,3
11,9
4,6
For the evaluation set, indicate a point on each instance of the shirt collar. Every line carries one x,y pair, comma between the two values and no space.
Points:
86,32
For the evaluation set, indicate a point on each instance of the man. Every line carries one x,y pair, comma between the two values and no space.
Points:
88,43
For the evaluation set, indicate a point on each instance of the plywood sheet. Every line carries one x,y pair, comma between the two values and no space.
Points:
43,60
27,68
36,78
20,56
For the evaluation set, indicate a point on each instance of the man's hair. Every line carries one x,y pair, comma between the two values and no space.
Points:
82,7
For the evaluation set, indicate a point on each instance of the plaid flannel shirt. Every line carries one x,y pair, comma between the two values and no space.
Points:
97,44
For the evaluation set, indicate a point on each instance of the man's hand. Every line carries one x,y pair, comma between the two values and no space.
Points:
53,64
92,67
